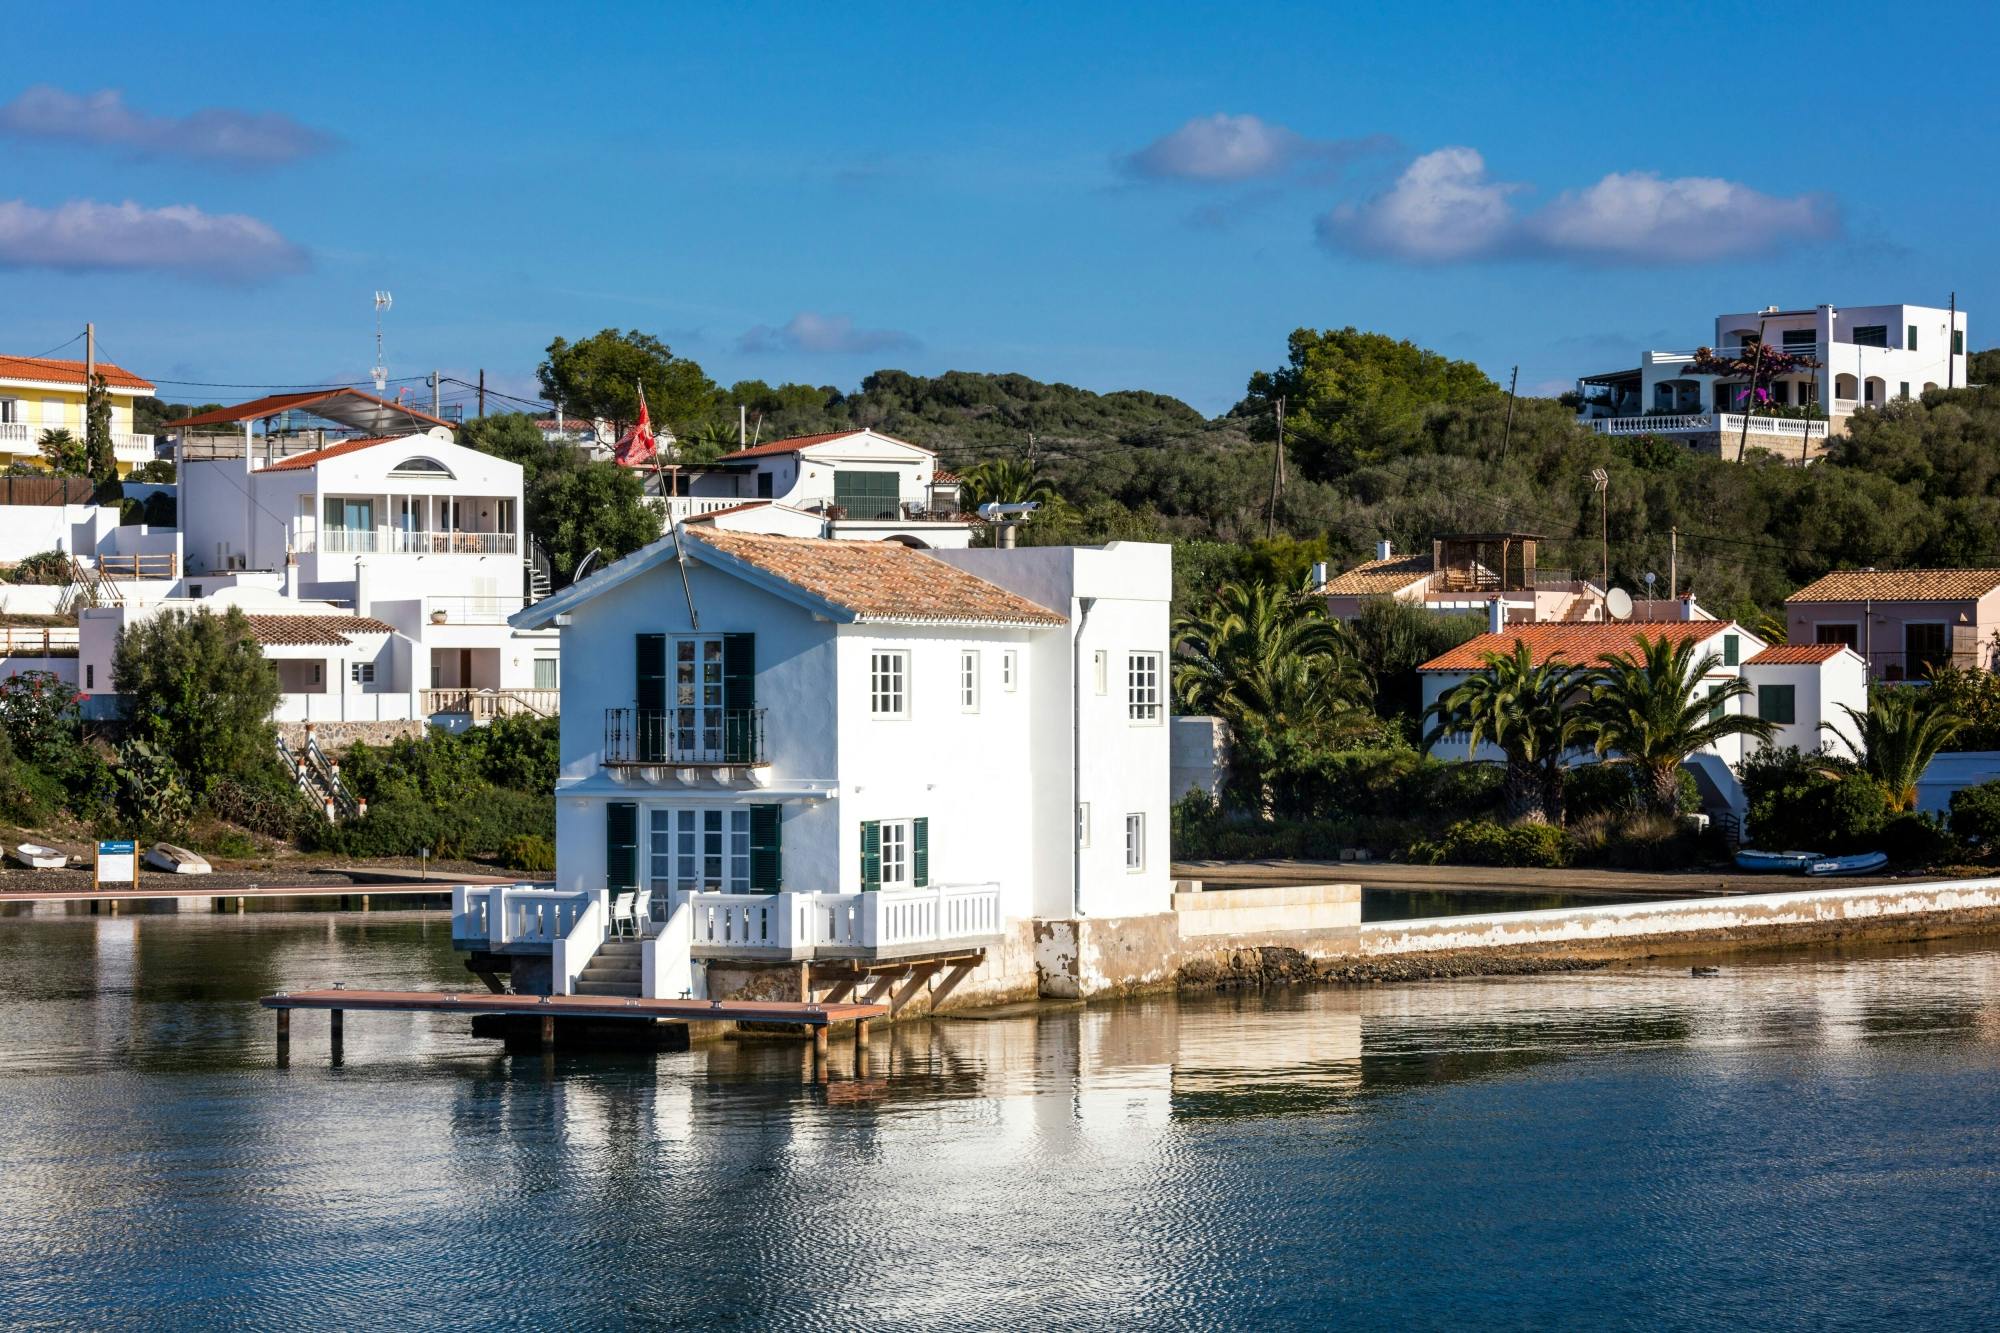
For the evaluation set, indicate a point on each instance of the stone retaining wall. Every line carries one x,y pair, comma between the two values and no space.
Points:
335,737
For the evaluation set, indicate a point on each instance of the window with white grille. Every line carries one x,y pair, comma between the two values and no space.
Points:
1142,687
888,684
362,673
1010,669
968,681
1135,842
895,853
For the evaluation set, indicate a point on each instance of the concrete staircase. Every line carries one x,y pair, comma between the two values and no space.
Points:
615,969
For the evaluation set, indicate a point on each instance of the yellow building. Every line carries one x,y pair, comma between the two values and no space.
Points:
39,393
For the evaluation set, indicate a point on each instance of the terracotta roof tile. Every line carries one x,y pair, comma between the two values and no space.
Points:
1582,644
317,456
1899,585
1376,578
52,370
880,581
1797,654
331,630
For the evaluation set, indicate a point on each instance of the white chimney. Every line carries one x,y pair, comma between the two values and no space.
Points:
1496,616
1319,575
361,602
1384,549
1687,608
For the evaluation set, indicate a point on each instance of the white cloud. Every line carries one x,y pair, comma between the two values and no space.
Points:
86,235
829,334
1639,217
1443,207
1446,208
213,134
1223,149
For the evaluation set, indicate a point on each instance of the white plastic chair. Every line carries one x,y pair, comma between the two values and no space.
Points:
642,912
622,922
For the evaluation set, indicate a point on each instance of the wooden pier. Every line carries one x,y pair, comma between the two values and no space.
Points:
812,1018
193,888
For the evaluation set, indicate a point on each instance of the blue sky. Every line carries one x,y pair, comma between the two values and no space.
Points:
1143,196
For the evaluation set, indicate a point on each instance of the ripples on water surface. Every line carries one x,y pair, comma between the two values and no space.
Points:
1806,1141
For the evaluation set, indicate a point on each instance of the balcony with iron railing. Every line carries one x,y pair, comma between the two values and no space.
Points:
684,738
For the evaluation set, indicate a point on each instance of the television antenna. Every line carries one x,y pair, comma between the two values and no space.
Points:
380,373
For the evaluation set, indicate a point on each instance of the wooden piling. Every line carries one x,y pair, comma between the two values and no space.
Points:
860,1034
284,1036
548,1032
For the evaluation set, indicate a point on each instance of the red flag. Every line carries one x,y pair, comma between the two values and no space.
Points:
637,447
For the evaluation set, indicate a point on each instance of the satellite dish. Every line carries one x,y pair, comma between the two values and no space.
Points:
1618,604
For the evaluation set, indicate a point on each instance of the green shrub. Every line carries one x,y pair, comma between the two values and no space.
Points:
1975,813
1598,789
264,801
531,853
153,793
1919,840
229,842
1633,840
1812,802
45,567
39,711
1485,843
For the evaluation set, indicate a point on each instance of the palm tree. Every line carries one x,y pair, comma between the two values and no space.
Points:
1897,738
1645,710
1281,673
1523,707
1010,481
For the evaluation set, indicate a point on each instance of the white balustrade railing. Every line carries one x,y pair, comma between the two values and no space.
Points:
1798,428
512,915
574,948
798,925
680,507
1724,422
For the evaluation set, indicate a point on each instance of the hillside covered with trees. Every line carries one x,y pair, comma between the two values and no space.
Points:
1383,439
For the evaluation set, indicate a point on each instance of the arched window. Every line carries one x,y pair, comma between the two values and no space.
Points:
420,467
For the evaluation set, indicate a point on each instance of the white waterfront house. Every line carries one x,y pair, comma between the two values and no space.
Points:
378,512
848,756
856,484
1866,356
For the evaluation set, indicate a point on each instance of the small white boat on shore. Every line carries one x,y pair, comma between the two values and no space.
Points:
176,860
1860,864
37,857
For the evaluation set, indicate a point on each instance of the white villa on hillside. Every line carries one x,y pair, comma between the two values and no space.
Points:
380,515
853,484
852,758
1866,355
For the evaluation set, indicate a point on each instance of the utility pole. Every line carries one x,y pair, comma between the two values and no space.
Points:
1673,563
434,393
742,425
1602,481
1507,436
1277,475
482,391
1950,345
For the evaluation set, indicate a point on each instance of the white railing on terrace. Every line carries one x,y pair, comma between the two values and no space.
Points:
802,925
682,507
1702,422
485,705
504,916
470,610
398,541
125,446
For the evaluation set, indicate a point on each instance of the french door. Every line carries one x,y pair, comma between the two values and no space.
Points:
694,850
696,685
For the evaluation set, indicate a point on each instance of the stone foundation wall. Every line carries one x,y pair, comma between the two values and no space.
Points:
335,737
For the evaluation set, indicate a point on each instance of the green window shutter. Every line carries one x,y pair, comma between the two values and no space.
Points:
650,726
766,856
1732,649
871,855
920,852
621,846
1715,703
739,697
867,494
1778,703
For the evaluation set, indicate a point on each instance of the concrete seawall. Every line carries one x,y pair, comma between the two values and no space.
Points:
1624,929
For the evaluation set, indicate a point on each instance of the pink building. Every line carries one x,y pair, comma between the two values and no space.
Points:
1905,622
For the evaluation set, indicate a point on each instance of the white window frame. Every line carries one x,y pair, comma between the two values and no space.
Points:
888,684
1083,823
968,680
1143,705
1135,842
1010,670
1100,666
361,673
555,670
678,848
897,870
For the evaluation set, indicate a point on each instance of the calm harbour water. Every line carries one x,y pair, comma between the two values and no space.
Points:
1807,1141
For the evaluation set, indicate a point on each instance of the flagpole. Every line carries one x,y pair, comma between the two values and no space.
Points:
680,556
